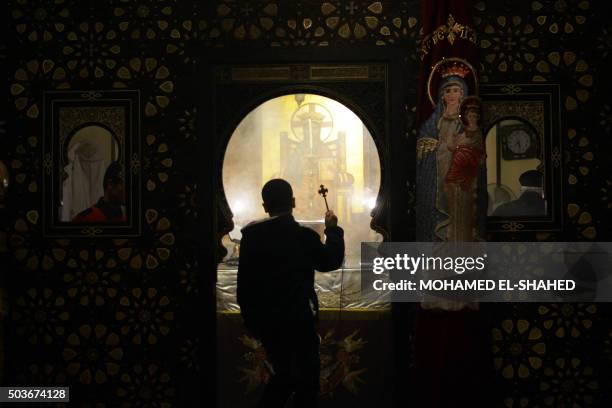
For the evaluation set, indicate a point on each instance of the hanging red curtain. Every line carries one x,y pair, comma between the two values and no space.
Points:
451,341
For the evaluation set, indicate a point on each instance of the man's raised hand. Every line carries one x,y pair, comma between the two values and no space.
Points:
330,219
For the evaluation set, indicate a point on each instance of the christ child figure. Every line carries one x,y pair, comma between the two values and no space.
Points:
466,147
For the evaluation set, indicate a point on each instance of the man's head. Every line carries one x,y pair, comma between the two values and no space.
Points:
277,197
531,180
113,184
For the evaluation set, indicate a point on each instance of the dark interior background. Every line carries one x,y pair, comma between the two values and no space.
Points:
76,305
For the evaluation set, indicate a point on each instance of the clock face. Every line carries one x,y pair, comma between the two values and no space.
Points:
518,141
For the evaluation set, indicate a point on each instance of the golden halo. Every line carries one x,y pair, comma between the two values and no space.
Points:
434,77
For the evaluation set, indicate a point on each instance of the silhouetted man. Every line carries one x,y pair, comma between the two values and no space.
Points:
530,202
108,208
276,293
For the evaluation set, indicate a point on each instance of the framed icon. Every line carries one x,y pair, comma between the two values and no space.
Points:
91,164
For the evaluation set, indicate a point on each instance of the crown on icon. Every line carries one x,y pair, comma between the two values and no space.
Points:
455,69
471,102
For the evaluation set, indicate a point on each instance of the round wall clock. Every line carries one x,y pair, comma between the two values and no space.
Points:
518,142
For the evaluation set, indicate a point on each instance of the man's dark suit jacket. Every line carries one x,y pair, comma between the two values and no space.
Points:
278,258
530,203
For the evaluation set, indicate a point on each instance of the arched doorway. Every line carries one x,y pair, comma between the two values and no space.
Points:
309,140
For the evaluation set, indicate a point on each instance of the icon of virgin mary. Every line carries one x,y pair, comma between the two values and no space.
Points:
444,212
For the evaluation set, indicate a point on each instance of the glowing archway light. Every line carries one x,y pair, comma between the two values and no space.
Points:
264,146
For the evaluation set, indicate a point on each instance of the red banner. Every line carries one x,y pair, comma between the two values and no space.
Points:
448,32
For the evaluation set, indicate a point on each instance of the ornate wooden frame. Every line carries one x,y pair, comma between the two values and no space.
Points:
518,101
64,113
364,86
